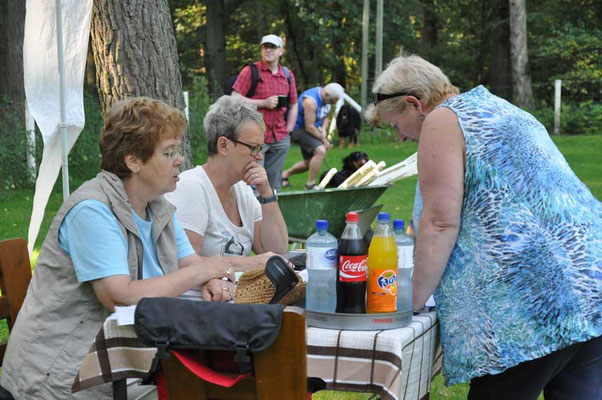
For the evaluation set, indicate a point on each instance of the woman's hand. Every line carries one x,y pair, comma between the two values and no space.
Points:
218,290
261,259
254,174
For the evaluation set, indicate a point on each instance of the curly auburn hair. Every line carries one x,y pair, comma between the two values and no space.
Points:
136,126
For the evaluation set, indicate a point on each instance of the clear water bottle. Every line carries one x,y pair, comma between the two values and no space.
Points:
405,265
322,270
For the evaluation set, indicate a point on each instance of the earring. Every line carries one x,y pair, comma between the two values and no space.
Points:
421,117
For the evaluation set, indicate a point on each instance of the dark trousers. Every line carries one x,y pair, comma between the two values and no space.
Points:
572,373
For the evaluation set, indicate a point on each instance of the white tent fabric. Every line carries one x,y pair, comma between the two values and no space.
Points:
41,75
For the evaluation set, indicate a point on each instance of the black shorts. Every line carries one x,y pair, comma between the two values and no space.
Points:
306,141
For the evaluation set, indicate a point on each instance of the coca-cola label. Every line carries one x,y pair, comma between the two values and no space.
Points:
353,268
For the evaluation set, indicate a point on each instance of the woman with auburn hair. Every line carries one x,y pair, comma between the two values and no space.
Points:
508,238
114,241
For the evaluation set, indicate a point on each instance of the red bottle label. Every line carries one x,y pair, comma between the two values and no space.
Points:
353,268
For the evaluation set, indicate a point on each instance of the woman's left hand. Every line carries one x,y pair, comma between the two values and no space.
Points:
254,174
218,290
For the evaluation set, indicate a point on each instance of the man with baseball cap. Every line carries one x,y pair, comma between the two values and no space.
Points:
276,98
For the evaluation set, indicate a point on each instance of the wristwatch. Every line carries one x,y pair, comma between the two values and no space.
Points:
268,200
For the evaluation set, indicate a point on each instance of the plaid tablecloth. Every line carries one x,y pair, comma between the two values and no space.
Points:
397,364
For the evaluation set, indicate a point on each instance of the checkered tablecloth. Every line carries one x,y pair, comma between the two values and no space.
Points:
397,364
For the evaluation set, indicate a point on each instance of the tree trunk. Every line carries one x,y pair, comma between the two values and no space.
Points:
216,48
12,30
429,31
135,54
293,45
499,78
521,80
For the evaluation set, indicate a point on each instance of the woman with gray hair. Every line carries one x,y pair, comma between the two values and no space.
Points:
215,202
508,239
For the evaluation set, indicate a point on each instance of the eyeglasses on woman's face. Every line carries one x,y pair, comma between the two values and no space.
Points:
255,149
173,152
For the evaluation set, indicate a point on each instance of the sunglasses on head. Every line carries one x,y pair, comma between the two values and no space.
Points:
378,97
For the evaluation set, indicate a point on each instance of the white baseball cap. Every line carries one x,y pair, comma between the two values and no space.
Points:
273,39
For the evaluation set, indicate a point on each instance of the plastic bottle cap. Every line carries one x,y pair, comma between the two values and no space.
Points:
321,224
398,224
352,217
384,217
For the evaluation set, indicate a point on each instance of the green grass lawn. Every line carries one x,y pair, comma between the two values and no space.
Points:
581,152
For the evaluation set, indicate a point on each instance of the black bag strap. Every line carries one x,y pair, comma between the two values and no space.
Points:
254,79
287,73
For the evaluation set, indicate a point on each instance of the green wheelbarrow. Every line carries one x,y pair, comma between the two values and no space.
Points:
301,209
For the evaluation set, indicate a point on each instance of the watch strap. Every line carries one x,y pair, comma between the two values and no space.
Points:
268,200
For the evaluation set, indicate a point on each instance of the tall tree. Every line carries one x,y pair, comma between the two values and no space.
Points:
521,80
429,31
135,54
499,77
12,25
216,46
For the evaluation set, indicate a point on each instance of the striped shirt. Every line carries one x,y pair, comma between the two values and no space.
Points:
269,85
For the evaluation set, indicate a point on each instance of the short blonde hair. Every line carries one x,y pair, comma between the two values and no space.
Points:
413,75
136,126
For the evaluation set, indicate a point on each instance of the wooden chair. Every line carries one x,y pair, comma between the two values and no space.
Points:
15,274
280,370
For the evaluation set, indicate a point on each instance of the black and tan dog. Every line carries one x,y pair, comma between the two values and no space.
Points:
351,163
349,123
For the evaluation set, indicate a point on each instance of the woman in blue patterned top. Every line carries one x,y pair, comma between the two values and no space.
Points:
509,239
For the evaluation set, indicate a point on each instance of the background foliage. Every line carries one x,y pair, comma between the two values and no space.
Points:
323,44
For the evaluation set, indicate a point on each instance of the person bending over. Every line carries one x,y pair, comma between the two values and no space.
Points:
310,131
508,238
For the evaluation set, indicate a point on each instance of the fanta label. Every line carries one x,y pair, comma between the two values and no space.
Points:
382,290
353,268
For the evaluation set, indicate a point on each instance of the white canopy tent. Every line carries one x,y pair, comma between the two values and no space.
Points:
54,59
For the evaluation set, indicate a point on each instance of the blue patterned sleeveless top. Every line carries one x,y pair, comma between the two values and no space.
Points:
525,276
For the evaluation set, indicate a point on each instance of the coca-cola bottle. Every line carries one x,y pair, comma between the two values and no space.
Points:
351,274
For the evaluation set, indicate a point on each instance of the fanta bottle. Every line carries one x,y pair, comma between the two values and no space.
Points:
382,269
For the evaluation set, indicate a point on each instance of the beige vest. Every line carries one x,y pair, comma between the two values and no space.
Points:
60,316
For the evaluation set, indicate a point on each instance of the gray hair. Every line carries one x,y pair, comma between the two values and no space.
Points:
413,75
225,117
334,90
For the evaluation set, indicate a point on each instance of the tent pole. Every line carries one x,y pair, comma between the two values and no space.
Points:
62,90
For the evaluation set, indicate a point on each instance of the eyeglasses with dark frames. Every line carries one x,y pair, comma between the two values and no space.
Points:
255,149
378,97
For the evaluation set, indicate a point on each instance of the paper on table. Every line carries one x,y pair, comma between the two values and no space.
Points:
124,315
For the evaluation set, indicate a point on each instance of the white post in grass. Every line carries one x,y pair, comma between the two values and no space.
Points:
557,91
186,106
378,69
365,43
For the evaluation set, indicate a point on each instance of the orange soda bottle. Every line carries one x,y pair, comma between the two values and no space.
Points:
382,269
